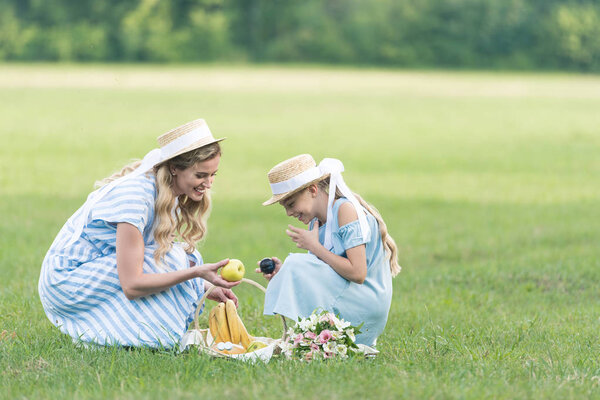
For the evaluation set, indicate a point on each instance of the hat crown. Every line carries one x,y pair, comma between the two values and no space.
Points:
176,133
184,138
289,168
292,175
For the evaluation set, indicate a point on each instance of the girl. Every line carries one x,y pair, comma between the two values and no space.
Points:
351,259
113,275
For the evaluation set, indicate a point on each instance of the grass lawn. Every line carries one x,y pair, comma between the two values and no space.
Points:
487,181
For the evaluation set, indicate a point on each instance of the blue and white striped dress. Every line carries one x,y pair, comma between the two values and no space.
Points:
79,286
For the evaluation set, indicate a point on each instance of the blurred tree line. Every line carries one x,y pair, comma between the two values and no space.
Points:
523,34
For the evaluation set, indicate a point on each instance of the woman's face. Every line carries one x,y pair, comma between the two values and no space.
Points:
195,180
301,206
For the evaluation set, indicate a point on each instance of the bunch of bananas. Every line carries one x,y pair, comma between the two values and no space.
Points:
226,325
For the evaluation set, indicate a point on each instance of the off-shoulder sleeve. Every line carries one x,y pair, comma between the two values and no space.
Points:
350,235
131,201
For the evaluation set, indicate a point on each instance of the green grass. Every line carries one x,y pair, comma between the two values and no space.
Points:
488,182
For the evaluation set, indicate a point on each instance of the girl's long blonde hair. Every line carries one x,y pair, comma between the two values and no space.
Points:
189,220
389,245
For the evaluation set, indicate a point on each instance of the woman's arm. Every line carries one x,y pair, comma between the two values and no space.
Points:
135,283
353,268
219,294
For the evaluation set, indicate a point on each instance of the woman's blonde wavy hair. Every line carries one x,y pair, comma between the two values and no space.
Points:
389,244
188,223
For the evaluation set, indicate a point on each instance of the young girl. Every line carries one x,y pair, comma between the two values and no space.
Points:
114,275
351,259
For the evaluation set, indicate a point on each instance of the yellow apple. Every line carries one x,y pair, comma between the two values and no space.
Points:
233,271
255,345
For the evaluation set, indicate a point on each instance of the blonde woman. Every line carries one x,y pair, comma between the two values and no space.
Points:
115,275
351,260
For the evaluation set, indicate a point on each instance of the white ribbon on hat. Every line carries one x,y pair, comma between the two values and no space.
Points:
296,181
152,158
335,168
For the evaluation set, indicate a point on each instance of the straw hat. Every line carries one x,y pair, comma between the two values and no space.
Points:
184,138
290,174
175,142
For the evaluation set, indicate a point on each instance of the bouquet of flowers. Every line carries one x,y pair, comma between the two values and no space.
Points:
322,335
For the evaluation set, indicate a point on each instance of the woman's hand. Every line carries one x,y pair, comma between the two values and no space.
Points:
219,294
305,239
210,273
268,277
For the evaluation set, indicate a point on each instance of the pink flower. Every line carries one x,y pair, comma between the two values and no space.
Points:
314,346
328,317
310,335
308,356
325,336
298,339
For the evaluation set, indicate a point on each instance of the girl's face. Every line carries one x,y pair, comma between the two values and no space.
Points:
301,206
195,180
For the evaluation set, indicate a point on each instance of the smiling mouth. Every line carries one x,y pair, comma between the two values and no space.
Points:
199,191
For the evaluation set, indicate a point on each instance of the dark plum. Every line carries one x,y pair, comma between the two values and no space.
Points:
267,266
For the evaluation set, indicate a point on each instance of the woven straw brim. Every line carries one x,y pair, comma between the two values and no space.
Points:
278,197
175,133
196,145
288,169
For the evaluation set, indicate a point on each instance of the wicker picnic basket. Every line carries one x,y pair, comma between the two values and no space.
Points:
202,338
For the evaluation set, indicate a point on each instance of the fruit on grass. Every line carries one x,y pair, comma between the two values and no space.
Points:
232,321
267,265
255,345
234,349
233,271
213,324
237,330
237,349
222,327
224,346
225,326
245,338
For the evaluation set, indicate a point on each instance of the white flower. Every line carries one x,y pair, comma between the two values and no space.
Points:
329,347
286,347
350,334
336,335
341,350
314,320
341,324
305,324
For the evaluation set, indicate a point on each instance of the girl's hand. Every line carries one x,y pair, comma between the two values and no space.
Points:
220,295
210,273
268,277
305,239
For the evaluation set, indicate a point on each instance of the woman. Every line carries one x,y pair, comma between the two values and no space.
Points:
114,274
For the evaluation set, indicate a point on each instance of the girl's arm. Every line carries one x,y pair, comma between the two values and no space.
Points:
353,268
135,283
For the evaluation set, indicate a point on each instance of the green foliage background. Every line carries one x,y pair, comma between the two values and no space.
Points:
516,34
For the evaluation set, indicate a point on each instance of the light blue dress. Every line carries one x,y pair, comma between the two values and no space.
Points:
79,286
305,283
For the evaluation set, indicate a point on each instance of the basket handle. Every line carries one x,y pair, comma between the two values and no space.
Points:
246,280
